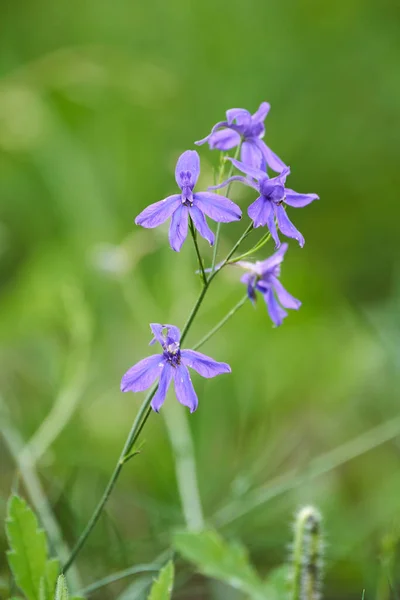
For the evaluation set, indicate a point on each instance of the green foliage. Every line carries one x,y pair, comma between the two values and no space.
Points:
216,558
162,587
61,589
34,573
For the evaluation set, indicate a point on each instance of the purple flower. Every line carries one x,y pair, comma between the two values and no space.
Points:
171,364
189,204
263,277
241,125
268,207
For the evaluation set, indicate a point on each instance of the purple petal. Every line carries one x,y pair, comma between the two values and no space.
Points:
276,312
184,388
249,280
224,140
240,115
286,226
218,208
249,170
201,225
261,113
165,380
235,178
179,227
143,374
157,331
173,333
216,127
272,160
259,211
286,299
155,214
299,200
204,365
274,260
187,167
251,155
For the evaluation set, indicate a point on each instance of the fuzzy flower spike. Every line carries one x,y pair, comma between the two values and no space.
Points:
268,208
173,364
189,203
239,126
262,276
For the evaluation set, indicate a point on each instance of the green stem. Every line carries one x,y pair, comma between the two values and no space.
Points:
220,180
256,248
137,427
221,323
200,260
142,417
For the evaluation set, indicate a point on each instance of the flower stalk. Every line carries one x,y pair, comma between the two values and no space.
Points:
307,555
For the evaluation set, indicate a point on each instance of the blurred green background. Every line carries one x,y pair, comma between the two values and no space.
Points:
97,100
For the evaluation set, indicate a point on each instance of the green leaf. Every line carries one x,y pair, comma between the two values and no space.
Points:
61,589
28,547
162,587
276,585
52,570
216,558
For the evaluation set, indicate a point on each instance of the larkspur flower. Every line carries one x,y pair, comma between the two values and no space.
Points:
262,276
173,364
269,205
242,126
189,204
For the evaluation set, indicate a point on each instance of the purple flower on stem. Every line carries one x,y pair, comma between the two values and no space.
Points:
241,125
268,208
171,364
189,204
263,277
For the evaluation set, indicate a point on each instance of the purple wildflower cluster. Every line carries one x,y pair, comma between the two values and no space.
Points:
246,131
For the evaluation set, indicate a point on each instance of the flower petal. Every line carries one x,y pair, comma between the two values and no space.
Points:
259,211
286,226
188,162
157,330
165,380
201,224
273,261
261,113
155,214
240,115
216,127
179,227
276,312
299,200
235,178
249,280
143,374
286,299
164,334
249,170
251,155
224,140
217,207
272,159
184,388
203,364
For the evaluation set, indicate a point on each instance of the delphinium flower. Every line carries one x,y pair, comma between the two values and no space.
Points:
268,208
242,126
173,364
189,204
262,276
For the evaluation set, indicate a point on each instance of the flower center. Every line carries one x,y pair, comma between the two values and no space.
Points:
187,187
172,354
272,191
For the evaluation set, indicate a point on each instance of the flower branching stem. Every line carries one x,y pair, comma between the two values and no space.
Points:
145,409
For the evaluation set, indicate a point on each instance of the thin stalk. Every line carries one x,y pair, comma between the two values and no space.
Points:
196,246
142,417
256,248
221,323
220,180
137,426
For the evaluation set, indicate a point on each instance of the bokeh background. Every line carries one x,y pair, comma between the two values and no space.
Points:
97,100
